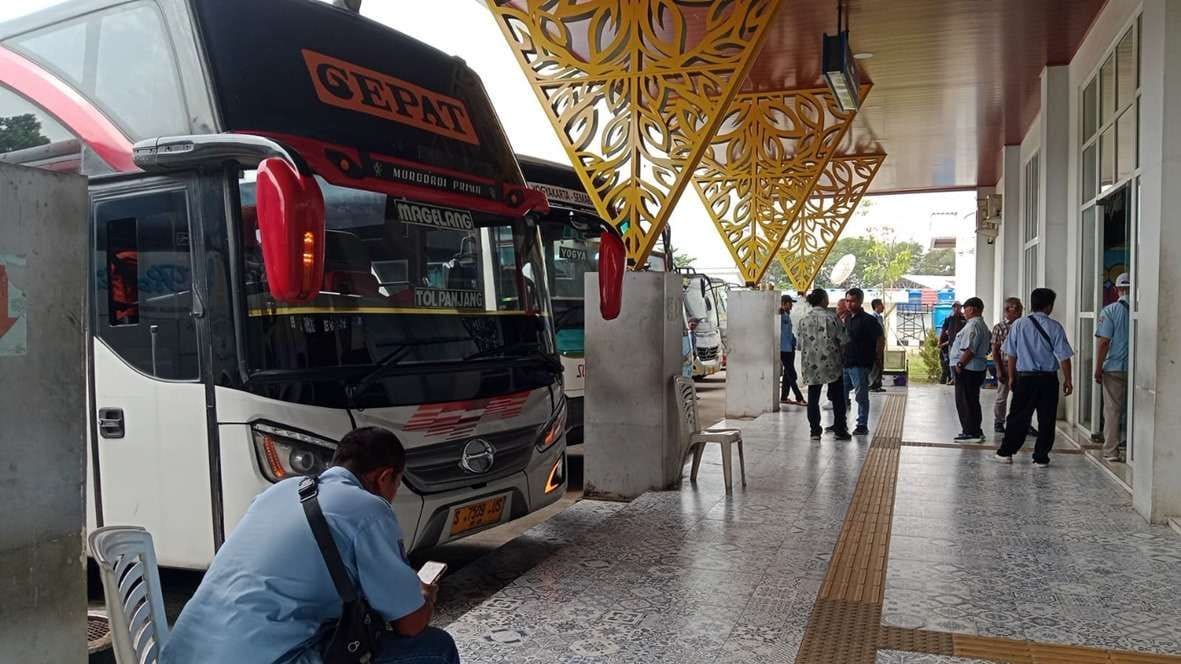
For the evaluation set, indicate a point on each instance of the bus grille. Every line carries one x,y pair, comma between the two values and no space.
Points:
707,354
436,468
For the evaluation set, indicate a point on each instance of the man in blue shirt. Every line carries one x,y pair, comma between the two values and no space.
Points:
1036,347
968,351
268,597
787,354
1111,365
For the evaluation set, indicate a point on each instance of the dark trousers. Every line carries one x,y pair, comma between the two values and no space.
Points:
967,401
837,396
790,378
944,369
1033,393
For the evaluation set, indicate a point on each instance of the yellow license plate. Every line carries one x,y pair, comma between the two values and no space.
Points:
469,517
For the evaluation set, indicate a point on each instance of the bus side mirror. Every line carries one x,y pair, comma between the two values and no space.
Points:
290,209
611,262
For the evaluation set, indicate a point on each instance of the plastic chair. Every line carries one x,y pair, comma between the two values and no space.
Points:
686,394
126,561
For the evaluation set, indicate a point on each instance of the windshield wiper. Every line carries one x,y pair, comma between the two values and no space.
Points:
520,349
393,359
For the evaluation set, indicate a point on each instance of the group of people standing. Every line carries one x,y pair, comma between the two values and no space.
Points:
840,352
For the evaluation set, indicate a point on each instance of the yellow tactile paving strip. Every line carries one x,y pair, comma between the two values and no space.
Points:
845,625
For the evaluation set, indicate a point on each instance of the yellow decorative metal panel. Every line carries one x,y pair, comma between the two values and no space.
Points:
635,89
761,166
823,218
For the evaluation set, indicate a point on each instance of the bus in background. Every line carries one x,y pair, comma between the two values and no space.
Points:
721,295
570,247
702,321
301,222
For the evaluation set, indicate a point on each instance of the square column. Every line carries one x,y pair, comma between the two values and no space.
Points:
985,288
1156,435
633,440
1007,249
752,361
1054,181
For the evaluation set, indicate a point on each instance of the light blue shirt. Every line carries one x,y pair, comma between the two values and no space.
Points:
1113,324
268,594
787,338
1032,351
976,337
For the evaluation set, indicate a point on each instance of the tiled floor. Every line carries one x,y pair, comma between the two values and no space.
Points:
693,576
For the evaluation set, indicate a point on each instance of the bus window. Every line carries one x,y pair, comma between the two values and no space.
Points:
143,283
120,57
32,137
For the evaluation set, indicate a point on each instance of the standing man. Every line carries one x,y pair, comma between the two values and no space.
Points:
1036,347
843,310
969,351
1111,365
875,378
822,341
787,354
1013,310
951,327
866,344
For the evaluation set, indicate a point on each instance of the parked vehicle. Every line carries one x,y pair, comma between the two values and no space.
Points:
302,222
701,319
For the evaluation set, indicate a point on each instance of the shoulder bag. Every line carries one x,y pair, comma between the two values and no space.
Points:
354,638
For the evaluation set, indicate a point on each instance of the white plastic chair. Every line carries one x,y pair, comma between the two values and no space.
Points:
126,561
686,394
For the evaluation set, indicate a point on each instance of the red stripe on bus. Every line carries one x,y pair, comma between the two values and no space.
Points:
69,107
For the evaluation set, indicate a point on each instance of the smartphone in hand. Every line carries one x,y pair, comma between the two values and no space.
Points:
431,572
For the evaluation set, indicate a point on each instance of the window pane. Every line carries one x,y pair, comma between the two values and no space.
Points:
1090,175
32,137
1126,134
1139,50
1138,116
1125,54
1086,362
144,283
1031,269
1087,286
121,59
1031,199
1107,91
1090,98
1107,160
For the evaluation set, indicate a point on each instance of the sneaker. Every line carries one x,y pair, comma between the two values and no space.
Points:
830,429
815,435
998,428
960,437
842,435
969,438
1041,464
1001,459
861,431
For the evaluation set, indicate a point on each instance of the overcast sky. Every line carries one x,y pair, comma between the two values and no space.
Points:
466,29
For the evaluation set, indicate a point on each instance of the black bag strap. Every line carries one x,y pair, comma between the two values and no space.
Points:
1042,331
309,491
1124,304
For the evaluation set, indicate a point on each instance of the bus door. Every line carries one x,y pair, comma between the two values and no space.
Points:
150,436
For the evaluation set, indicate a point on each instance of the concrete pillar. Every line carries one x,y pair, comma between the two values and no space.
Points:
1054,176
42,382
633,442
1156,435
1008,246
752,365
985,262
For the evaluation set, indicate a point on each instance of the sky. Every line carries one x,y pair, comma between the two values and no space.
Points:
464,28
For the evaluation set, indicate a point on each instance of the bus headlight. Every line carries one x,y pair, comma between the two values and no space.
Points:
552,430
284,453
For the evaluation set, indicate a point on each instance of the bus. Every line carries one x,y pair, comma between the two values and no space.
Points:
703,322
570,247
301,222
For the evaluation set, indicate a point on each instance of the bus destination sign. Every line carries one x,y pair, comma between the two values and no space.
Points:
447,219
448,298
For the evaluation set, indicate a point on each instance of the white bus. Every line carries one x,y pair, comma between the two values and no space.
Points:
302,222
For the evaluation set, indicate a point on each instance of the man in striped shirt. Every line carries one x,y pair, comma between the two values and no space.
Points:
1013,310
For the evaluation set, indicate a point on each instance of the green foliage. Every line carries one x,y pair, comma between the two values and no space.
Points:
18,132
681,259
939,262
929,355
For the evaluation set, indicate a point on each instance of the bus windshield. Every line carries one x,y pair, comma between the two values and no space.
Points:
569,255
410,289
699,303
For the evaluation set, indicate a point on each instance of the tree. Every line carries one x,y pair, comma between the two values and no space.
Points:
681,259
18,132
938,261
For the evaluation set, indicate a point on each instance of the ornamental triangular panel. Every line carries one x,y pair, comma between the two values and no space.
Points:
824,216
635,89
762,165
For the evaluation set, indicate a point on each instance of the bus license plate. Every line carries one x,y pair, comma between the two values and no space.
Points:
480,514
